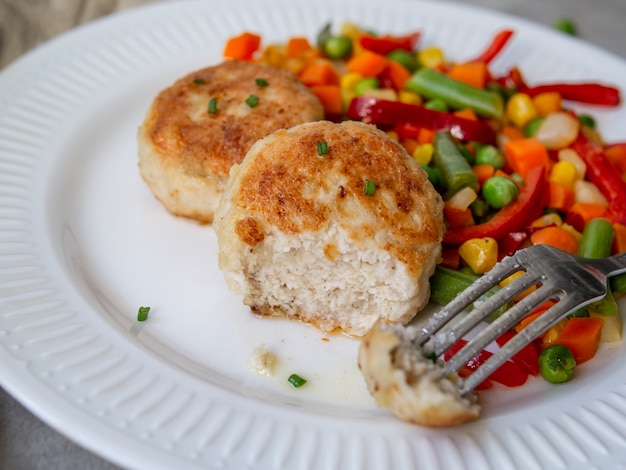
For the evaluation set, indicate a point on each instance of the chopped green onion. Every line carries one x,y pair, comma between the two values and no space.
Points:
261,82
565,25
370,187
252,100
142,313
198,81
322,148
213,106
296,380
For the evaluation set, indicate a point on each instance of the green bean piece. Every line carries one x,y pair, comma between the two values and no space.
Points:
596,242
490,155
597,239
479,208
437,105
446,284
618,283
499,191
405,58
456,173
557,364
433,84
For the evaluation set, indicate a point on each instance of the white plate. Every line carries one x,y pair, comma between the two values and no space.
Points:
83,244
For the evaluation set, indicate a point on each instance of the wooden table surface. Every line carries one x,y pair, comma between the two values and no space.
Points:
26,442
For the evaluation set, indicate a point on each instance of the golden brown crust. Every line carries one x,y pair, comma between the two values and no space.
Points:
186,152
295,190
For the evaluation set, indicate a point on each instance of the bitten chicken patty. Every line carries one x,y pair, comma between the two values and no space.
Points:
411,386
331,224
198,127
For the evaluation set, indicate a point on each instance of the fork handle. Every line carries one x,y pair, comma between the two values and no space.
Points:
607,267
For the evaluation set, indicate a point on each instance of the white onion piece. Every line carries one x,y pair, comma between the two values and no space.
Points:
587,192
558,130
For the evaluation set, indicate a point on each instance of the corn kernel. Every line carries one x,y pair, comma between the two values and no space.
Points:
546,220
480,254
576,234
393,135
564,173
513,277
423,154
520,109
569,155
350,79
409,97
553,332
431,57
546,103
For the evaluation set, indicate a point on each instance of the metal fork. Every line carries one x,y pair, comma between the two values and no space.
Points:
571,281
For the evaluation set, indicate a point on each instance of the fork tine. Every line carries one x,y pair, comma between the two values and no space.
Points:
501,271
443,339
503,323
550,317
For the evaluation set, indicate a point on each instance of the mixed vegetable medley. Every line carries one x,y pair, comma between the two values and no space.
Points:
515,164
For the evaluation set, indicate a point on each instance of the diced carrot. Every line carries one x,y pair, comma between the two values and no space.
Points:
330,96
397,74
483,172
619,241
367,63
297,46
242,47
456,217
425,136
471,73
582,212
556,237
512,133
524,154
559,196
319,72
546,103
466,113
582,336
409,144
450,258
536,313
617,154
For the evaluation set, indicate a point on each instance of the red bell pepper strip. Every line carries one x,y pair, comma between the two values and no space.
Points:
495,46
391,113
605,175
517,215
509,374
589,93
527,357
385,44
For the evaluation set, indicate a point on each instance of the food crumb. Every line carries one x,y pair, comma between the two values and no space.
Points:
261,361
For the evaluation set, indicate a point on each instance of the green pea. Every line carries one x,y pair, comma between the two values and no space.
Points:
337,47
557,364
587,120
499,191
369,83
532,126
490,155
565,25
406,59
437,105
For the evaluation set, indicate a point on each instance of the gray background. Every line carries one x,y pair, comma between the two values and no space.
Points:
25,441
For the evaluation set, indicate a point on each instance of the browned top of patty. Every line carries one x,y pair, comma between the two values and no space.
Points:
184,133
288,186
